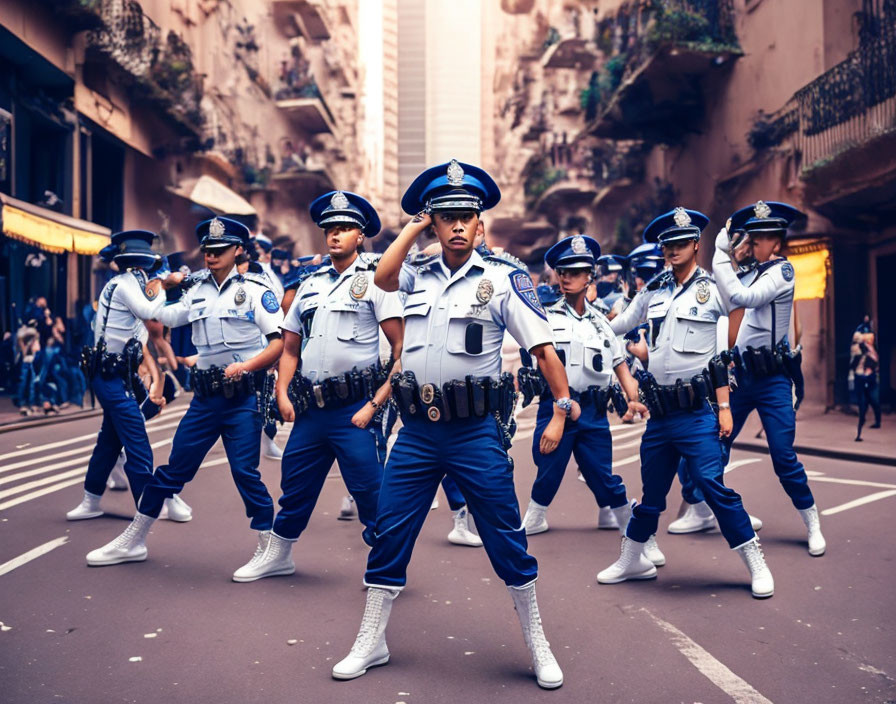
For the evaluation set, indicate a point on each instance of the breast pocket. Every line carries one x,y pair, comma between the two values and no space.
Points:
593,356
239,330
693,334
346,320
197,318
416,324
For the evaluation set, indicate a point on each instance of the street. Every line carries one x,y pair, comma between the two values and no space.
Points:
177,629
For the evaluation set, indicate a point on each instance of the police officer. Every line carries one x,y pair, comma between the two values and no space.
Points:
455,406
591,353
764,358
125,302
227,310
342,385
682,307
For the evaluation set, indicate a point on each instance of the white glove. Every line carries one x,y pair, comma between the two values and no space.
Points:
723,241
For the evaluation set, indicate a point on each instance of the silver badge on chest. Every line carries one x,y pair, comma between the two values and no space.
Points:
485,291
359,286
240,296
702,291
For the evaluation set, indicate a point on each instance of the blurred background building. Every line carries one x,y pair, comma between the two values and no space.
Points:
594,116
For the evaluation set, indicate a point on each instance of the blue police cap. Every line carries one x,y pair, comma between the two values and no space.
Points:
107,253
648,250
770,217
345,208
278,253
612,262
677,225
646,269
263,242
134,249
221,232
578,251
451,186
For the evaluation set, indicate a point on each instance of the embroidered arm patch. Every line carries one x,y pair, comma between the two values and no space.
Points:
523,287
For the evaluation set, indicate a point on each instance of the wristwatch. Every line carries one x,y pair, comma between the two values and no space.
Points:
724,405
564,404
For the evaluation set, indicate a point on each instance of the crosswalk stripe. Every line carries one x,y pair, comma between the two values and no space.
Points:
32,554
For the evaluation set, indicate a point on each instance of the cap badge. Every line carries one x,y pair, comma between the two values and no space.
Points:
485,291
339,201
578,245
761,210
455,174
216,228
681,217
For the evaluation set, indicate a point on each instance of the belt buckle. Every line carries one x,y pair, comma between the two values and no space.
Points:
427,393
318,395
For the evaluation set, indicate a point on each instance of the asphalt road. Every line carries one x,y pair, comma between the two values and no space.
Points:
176,629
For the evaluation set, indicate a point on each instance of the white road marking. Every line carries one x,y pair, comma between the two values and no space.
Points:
627,460
739,463
32,554
69,453
626,445
81,438
853,482
741,691
37,494
859,502
60,465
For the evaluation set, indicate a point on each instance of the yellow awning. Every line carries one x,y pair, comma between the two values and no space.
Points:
48,230
811,271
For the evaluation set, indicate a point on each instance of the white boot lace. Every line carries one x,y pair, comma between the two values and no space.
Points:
370,622
755,558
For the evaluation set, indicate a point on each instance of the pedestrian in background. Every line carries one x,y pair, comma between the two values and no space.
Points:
864,364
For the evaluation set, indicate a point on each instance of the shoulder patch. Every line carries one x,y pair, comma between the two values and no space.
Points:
259,278
269,302
787,271
522,286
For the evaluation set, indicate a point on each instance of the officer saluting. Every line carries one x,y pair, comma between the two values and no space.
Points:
227,310
591,353
339,310
455,404
111,366
764,358
682,307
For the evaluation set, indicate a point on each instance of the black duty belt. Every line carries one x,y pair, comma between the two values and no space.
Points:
336,391
96,361
761,362
212,382
681,396
455,400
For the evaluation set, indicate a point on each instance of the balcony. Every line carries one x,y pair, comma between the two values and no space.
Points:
575,52
154,70
616,168
649,88
305,17
299,97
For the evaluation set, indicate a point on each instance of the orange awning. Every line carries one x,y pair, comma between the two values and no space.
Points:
49,230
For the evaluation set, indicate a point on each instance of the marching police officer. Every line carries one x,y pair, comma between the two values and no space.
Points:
764,358
455,405
227,310
682,307
342,386
591,353
124,303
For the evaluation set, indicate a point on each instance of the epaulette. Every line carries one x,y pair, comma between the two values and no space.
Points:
556,307
140,275
260,279
507,258
421,259
660,280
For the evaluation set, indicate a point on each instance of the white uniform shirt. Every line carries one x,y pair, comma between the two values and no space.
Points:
226,321
455,323
346,311
127,302
682,335
766,293
591,350
276,284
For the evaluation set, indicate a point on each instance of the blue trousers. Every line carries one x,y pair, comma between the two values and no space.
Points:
237,422
318,437
773,399
589,440
456,500
469,451
123,426
692,436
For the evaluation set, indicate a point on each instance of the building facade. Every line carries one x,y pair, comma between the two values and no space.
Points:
156,114
608,113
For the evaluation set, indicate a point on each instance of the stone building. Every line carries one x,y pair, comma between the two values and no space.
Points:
607,113
156,114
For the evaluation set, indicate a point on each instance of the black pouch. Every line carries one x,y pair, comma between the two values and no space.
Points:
459,394
478,393
473,338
